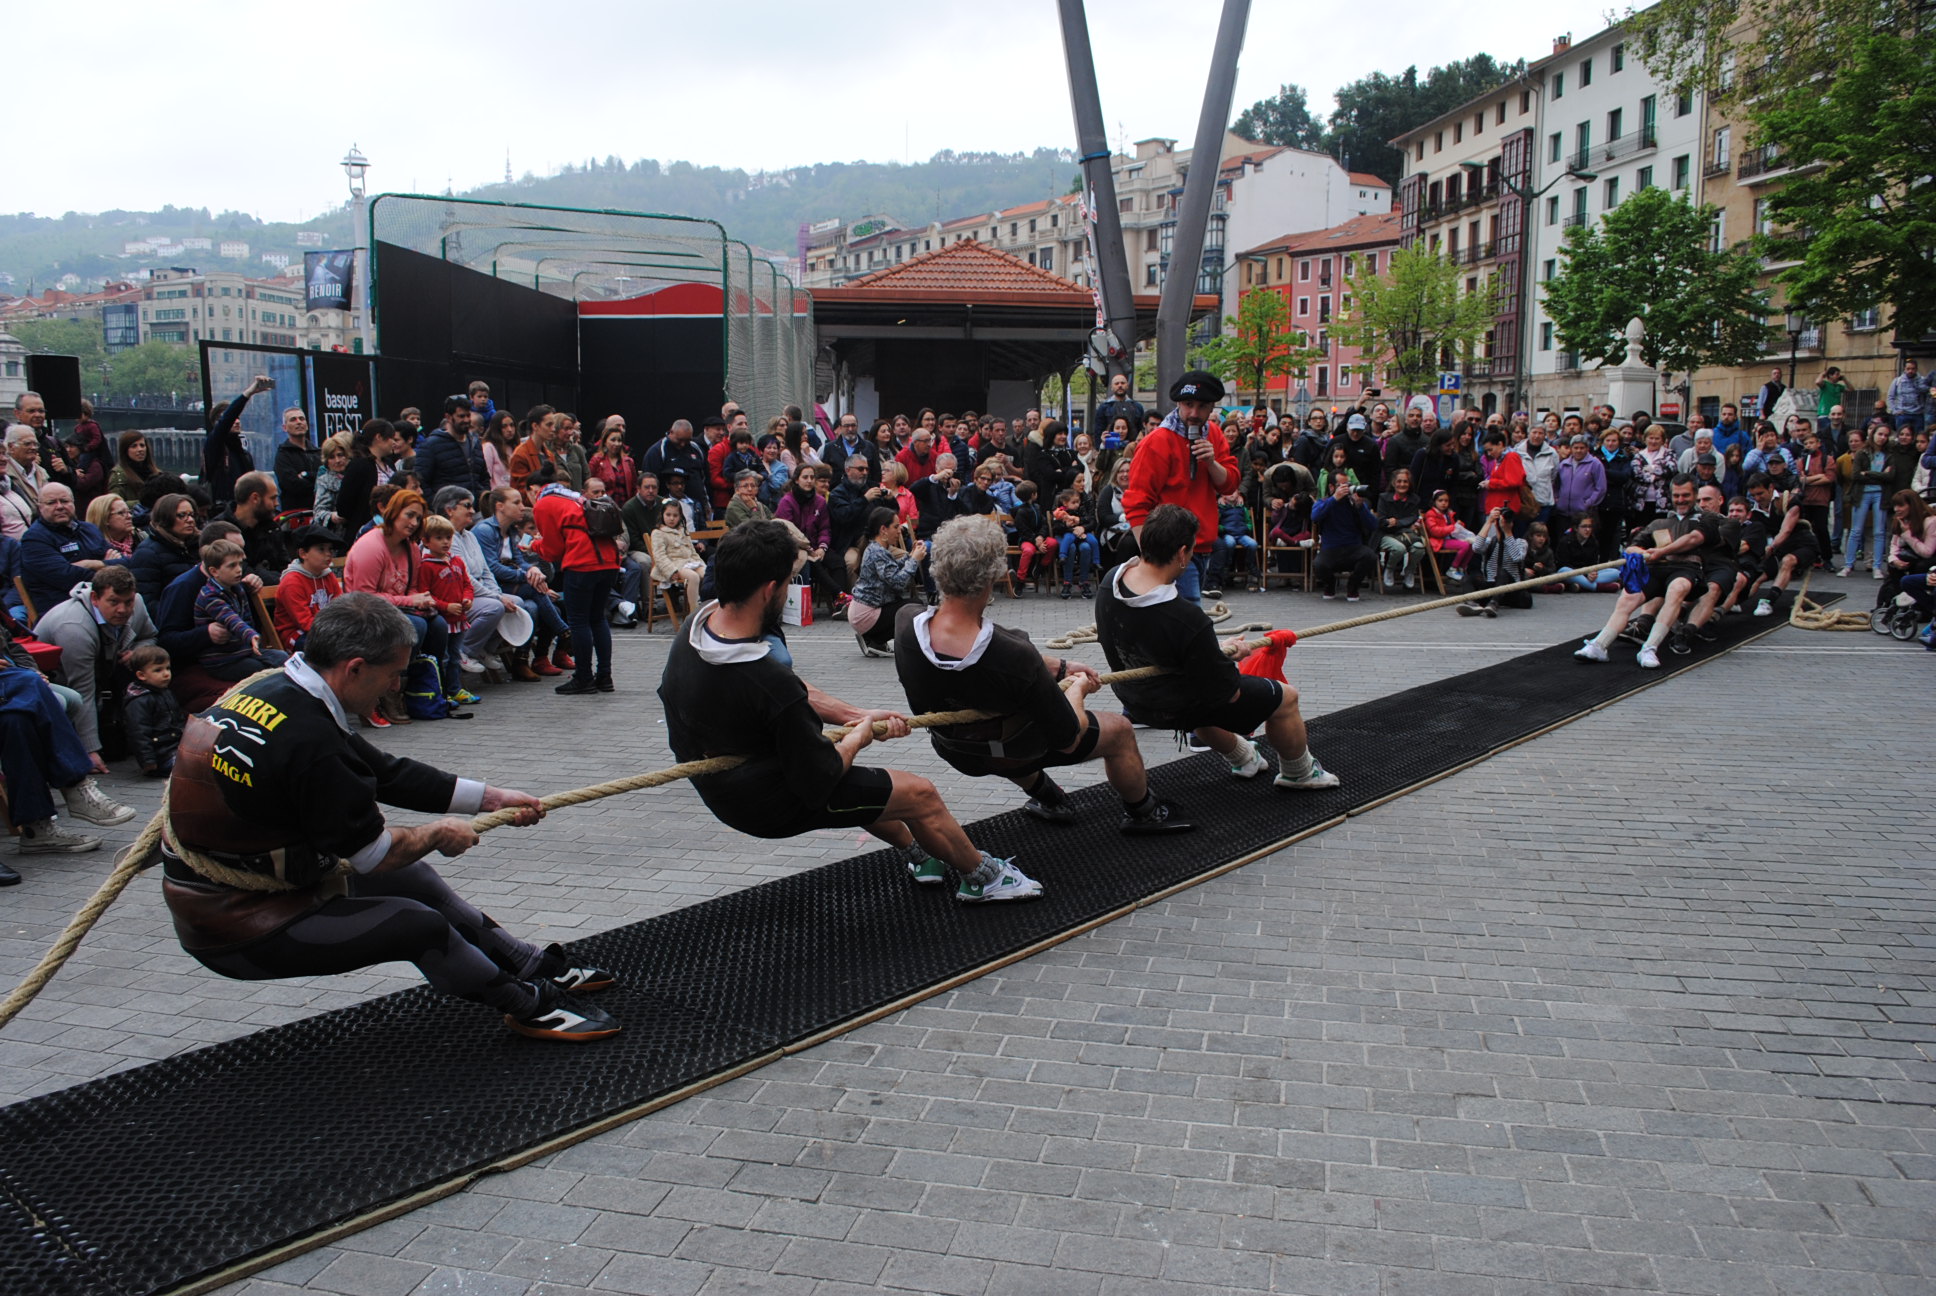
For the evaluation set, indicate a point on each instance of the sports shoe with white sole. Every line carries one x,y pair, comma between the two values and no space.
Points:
85,800
48,838
929,872
1319,777
1649,659
1253,763
559,1017
557,968
1765,608
1058,813
1162,818
1591,651
1010,884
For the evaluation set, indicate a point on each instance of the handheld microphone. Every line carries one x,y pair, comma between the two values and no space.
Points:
1193,434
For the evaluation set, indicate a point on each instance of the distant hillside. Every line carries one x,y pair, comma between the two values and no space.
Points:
765,209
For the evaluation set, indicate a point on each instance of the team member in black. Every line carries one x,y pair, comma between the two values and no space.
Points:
726,695
952,658
1791,544
1671,546
1141,622
271,783
1717,555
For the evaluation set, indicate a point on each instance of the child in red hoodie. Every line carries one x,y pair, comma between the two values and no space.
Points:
443,575
308,584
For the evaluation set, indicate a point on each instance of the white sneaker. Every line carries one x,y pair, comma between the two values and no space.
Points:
1765,608
491,662
1846,571
1411,580
1591,651
469,665
1252,763
627,609
48,838
1876,572
1648,659
1010,884
85,800
1319,777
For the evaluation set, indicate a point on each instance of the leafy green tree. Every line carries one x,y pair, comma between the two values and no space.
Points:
1259,344
1844,93
1377,109
1284,118
1652,256
153,370
1409,321
63,337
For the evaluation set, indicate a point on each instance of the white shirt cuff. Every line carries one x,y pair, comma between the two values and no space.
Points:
372,855
468,798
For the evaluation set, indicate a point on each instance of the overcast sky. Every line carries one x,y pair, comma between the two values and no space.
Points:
247,105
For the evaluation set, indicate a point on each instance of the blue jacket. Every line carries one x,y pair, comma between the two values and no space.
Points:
490,538
443,461
156,561
1233,520
175,618
1340,524
48,556
1730,434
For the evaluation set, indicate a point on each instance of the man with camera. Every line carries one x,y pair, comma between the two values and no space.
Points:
1184,460
852,499
1345,528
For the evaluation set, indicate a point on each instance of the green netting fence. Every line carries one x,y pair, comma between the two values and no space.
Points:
588,255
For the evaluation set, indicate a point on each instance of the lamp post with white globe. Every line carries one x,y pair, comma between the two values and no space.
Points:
355,166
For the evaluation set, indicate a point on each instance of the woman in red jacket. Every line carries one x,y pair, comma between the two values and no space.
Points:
1501,474
590,565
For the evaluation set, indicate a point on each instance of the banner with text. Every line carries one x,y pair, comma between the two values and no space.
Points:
327,279
341,398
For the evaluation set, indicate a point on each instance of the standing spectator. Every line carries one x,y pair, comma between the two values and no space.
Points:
1819,475
296,462
31,410
371,452
1407,443
133,466
453,455
590,565
24,472
1542,467
1771,393
1867,473
571,451
1361,453
1579,485
90,456
1616,465
537,450
224,457
1119,405
1345,529
1907,396
111,516
97,629
1502,473
675,452
308,585
57,552
500,442
1828,398
613,463
847,443
1184,461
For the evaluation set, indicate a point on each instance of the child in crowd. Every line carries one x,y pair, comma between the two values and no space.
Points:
224,601
481,402
308,584
1539,557
1447,535
444,577
153,714
1076,542
1233,538
1029,530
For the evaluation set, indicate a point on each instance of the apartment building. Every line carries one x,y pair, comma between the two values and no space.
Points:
1608,129
1310,272
183,305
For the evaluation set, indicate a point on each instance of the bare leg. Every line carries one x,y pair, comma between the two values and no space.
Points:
1670,609
1122,760
915,812
1284,730
1623,610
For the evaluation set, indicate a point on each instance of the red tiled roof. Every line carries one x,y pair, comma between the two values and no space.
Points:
1254,156
969,267
1359,231
1367,178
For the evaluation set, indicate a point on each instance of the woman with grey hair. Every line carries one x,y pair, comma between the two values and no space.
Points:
952,657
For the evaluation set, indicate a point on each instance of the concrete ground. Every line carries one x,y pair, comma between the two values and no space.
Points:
1642,1005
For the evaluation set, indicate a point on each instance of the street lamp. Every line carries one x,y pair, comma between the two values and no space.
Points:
1797,324
1301,402
356,166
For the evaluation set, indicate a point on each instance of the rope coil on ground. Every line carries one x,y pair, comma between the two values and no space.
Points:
1810,615
136,857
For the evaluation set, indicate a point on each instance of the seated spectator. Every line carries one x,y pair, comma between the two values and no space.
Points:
39,752
885,582
184,641
805,507
1233,539
1447,535
745,504
1028,531
154,714
1112,522
1344,528
170,545
383,562
224,600
98,628
1579,548
1075,541
476,650
57,553
309,583
676,564
894,477
1540,559
524,580
1401,540
678,489
114,519
1498,558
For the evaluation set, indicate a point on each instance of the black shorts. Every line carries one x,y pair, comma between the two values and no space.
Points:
856,801
1257,700
1720,575
1660,577
979,764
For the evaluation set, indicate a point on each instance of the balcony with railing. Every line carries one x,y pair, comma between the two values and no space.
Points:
1719,166
1627,145
1565,361
1574,221
1476,253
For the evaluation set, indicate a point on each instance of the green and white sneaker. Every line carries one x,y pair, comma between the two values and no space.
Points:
1009,883
929,872
1319,777
1247,762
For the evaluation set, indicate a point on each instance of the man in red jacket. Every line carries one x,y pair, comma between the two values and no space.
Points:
1184,461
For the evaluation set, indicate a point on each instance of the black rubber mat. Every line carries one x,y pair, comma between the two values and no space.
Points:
139,1182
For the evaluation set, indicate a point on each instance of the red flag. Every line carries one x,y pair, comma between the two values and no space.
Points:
1268,662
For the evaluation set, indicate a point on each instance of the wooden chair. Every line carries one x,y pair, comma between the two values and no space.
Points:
655,596
264,600
711,532
1431,564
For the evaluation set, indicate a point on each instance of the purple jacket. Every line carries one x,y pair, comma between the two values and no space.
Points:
813,517
1579,485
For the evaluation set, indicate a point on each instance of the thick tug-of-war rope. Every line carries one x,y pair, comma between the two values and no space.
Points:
142,852
1810,615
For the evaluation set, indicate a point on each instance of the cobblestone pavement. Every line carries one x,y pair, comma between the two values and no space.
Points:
1642,1005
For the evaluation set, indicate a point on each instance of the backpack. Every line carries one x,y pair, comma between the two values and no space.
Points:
603,520
423,690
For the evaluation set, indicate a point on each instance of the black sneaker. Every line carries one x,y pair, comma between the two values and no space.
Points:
1059,813
557,968
1088,590
1706,633
8,877
559,1017
1637,630
604,684
1213,593
1065,591
574,688
1165,818
1677,642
